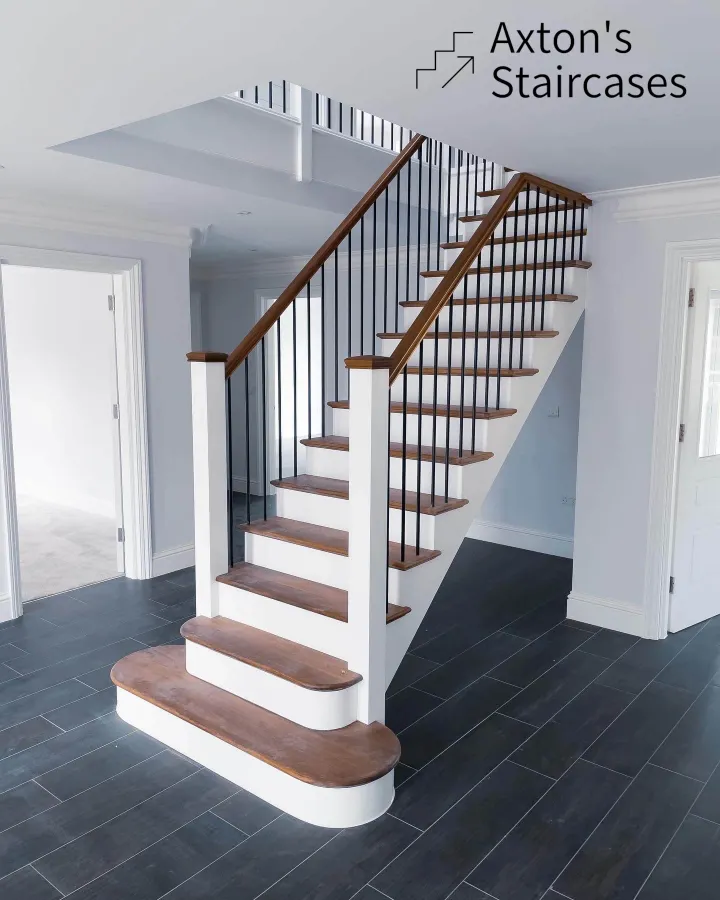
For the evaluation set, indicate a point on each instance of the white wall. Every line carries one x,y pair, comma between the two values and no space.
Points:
60,349
525,505
618,400
166,293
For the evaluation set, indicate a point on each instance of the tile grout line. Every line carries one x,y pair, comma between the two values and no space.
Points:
55,708
112,819
129,769
62,893
153,844
42,787
222,856
302,862
398,819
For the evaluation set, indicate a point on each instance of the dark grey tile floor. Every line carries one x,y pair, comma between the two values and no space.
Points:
541,759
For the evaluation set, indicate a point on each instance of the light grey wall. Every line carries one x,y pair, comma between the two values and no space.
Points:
540,469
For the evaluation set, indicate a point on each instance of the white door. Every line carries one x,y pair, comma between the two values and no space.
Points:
696,560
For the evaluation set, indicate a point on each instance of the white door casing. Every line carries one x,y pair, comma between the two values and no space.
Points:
696,568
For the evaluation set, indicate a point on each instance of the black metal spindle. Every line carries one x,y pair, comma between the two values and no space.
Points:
372,129
457,194
514,257
463,349
403,478
475,189
263,394
230,504
247,438
349,303
295,393
385,260
544,260
572,226
433,441
488,334
329,113
564,246
439,204
340,117
257,94
419,223
535,252
429,216
309,362
284,95
407,241
448,190
279,396
523,323
337,332
352,121
270,95
476,356
501,320
556,261
373,332
322,349
419,445
582,228
362,285
397,249
448,398
317,109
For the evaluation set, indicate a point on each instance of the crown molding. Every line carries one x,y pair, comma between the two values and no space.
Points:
33,214
290,265
699,196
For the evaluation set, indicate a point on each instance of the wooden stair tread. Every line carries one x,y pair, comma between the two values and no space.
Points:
429,409
541,264
331,540
300,592
338,442
335,487
485,301
540,210
444,335
521,238
292,662
345,757
472,373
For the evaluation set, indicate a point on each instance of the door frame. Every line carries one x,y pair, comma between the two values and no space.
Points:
680,256
132,395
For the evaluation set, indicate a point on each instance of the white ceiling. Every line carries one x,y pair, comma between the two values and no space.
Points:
79,67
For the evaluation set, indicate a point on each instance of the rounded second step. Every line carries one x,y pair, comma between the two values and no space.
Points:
285,659
294,681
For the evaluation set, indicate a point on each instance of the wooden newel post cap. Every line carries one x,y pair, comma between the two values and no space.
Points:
368,362
207,356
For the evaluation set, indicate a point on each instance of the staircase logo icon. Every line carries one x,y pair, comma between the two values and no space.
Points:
469,61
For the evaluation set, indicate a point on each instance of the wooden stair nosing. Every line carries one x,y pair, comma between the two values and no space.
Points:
345,757
332,540
341,443
429,409
521,238
486,301
485,270
299,592
540,210
340,490
300,665
471,335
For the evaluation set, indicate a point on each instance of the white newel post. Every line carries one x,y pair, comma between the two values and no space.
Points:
209,476
367,573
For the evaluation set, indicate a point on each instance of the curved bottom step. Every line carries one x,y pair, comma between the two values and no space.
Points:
335,779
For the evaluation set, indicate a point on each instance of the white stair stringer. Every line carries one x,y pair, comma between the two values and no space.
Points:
478,479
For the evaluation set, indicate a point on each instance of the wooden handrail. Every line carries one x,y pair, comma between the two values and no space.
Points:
269,318
444,291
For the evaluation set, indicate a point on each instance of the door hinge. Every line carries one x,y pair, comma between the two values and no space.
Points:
682,433
111,303
672,585
121,535
115,411
691,297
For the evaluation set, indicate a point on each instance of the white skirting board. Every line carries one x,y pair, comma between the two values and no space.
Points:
606,614
327,807
522,538
5,609
173,560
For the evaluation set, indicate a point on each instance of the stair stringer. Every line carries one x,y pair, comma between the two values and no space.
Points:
476,483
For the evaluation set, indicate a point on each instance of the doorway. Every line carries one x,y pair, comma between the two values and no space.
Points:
695,587
60,337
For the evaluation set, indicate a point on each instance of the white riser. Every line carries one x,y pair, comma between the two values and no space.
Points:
327,807
334,513
569,286
320,710
460,388
488,313
340,426
290,622
444,350
294,559
516,251
324,462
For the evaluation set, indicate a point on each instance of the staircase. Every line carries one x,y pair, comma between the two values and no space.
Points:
469,283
